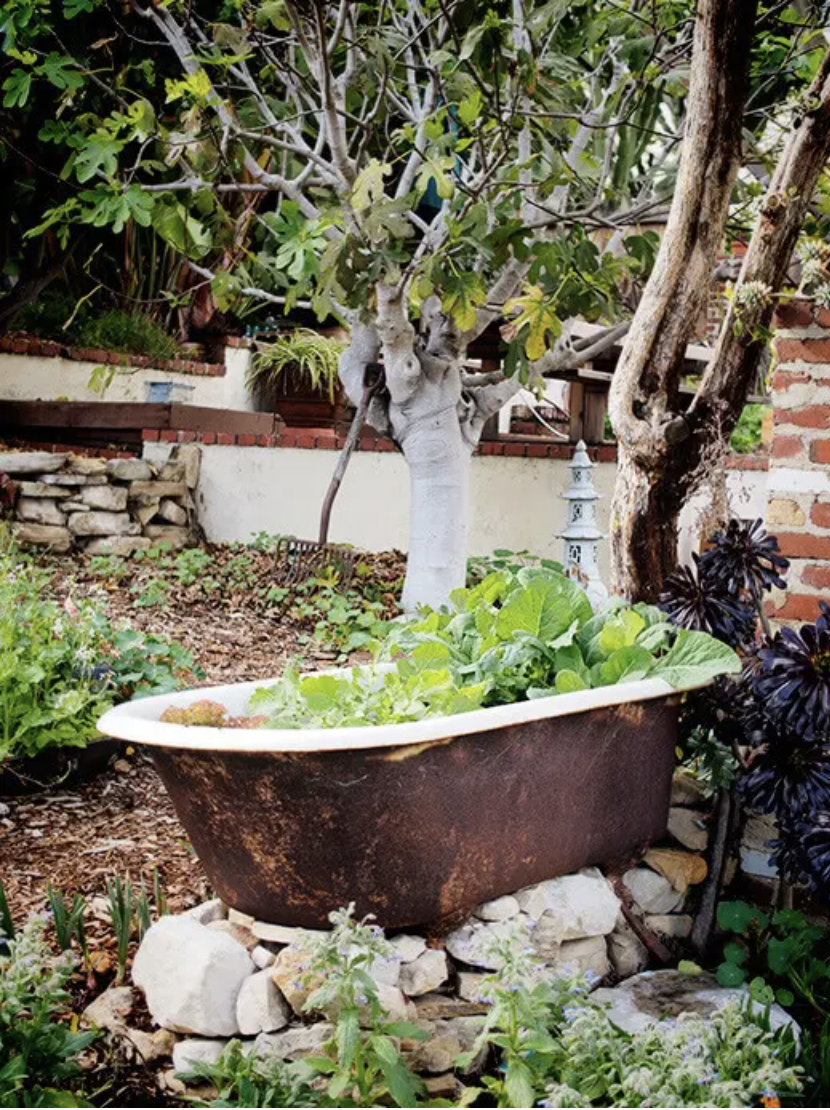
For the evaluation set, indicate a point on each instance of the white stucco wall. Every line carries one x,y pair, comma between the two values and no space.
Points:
34,378
515,502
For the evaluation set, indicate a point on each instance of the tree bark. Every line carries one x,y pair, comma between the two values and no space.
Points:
439,482
645,388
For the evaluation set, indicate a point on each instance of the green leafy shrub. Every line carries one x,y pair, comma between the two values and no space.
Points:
132,334
36,1051
48,316
50,691
63,664
244,1079
778,955
747,433
513,636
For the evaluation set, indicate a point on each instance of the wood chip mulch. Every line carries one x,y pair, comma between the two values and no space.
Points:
122,822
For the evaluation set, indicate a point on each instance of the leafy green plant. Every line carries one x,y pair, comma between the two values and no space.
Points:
242,1078
54,315
62,664
502,559
746,435
300,355
511,637
726,1059
68,921
129,333
777,955
361,1063
49,692
143,664
36,1051
7,929
152,594
122,905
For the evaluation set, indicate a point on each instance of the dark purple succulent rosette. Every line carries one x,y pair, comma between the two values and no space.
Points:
694,600
794,680
743,556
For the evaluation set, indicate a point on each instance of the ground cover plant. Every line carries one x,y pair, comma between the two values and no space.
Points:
335,616
63,663
38,1052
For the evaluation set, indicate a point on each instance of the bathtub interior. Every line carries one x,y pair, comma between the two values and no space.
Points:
139,721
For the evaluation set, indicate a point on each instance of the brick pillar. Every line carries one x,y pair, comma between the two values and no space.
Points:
798,492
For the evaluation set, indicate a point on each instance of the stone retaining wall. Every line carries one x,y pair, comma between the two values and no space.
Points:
113,506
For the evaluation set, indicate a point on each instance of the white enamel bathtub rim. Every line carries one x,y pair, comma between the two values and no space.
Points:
138,721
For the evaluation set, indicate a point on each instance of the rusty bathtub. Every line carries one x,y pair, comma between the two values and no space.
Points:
414,822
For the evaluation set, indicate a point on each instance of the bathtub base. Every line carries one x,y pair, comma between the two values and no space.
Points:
421,833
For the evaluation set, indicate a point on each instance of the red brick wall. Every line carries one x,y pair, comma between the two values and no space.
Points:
798,509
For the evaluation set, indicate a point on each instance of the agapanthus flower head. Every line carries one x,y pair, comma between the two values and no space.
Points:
693,599
793,683
743,556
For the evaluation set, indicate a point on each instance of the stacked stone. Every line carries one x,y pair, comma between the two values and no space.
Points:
799,477
102,506
212,974
660,886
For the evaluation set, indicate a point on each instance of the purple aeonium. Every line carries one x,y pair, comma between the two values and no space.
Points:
744,557
788,778
815,841
695,600
793,683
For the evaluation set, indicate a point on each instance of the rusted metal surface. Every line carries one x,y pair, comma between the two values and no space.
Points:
416,835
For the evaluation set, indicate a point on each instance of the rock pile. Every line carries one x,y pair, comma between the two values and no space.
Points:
102,506
213,974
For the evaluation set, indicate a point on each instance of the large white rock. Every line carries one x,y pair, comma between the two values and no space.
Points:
474,942
408,946
260,1007
576,906
588,956
652,996
43,535
686,826
293,1043
111,1009
41,489
498,909
627,952
129,470
103,524
653,893
425,974
39,510
191,976
212,910
30,462
111,498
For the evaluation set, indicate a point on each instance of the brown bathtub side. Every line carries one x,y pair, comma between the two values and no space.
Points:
416,834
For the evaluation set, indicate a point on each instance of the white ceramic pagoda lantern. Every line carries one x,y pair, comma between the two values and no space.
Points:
582,536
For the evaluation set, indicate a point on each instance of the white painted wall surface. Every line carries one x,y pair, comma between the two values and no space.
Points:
32,378
515,503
